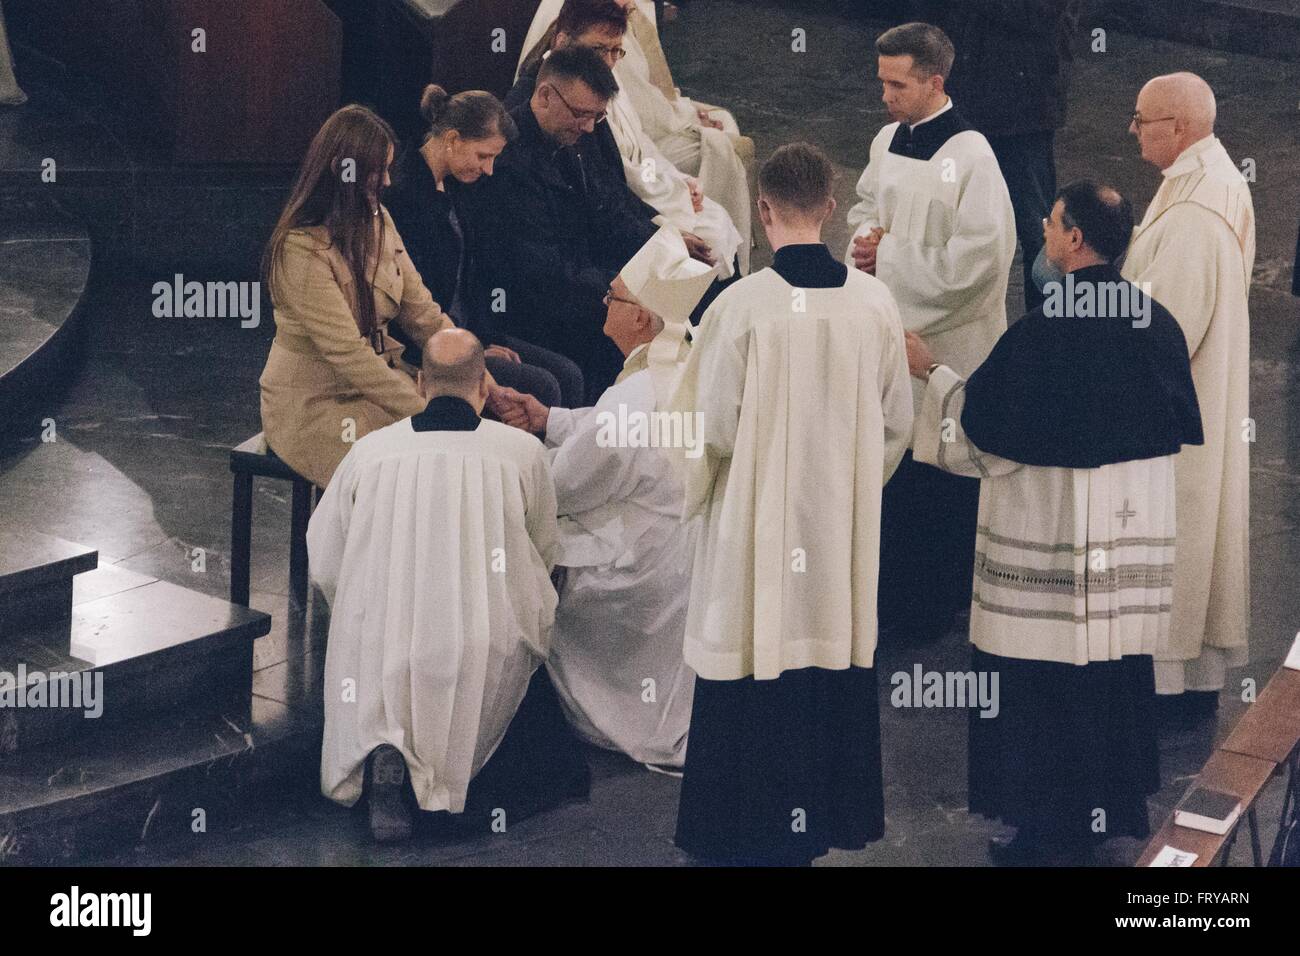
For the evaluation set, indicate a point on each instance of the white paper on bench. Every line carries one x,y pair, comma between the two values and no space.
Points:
1172,856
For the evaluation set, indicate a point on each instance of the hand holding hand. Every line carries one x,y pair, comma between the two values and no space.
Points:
521,410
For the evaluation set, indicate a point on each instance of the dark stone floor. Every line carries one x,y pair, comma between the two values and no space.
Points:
139,468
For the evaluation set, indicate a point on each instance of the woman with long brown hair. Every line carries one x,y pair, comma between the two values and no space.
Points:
338,274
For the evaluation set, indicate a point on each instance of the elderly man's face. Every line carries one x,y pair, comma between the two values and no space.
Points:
1156,128
626,322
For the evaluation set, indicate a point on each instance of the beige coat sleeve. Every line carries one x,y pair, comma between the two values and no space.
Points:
314,302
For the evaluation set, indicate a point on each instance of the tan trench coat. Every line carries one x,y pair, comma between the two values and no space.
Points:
324,385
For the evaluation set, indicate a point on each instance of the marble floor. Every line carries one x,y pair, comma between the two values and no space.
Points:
139,467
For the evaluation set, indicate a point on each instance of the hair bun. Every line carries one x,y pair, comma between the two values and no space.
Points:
432,102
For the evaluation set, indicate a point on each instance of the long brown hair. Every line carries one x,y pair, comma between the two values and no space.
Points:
347,154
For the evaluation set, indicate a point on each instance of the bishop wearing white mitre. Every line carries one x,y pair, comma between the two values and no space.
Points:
616,653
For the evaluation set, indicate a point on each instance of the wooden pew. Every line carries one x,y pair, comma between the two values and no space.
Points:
1265,741
1238,774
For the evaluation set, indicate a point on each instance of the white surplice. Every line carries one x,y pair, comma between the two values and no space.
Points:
1072,565
1196,248
616,654
950,238
433,549
806,413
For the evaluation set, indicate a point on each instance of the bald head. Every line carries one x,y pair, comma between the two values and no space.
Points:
1176,110
453,365
1187,97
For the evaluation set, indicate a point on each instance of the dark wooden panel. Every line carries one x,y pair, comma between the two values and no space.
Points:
268,80
270,75
448,42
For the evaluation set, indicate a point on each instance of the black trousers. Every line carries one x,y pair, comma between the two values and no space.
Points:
927,551
1029,167
548,376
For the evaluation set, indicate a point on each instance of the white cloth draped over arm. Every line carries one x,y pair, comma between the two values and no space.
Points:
980,247
939,439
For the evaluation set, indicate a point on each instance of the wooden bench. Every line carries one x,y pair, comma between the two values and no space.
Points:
254,459
1264,741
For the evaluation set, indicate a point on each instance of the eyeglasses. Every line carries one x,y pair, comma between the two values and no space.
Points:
617,52
611,297
1138,121
580,115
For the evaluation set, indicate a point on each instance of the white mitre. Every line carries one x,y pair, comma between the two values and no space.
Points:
664,278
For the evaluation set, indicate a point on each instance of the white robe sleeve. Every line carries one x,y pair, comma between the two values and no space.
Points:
895,391
587,475
563,422
539,517
939,439
327,532
863,217
712,383
981,246
1184,271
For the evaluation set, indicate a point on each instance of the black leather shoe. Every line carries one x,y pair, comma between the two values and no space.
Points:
390,813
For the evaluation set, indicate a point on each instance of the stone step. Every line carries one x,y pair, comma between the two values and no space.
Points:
36,572
165,778
143,648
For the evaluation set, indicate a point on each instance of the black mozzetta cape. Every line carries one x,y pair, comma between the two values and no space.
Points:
1073,392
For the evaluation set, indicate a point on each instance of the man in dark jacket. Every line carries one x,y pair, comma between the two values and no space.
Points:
1011,79
549,239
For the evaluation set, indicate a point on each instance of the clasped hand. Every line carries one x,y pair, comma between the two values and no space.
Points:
518,409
